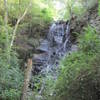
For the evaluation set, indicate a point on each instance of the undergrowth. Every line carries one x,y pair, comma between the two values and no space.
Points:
79,77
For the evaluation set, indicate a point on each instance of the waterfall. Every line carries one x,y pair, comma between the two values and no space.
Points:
52,49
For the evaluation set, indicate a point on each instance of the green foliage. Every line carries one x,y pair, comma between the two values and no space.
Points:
3,36
11,78
1,20
99,7
44,84
37,10
79,10
80,71
89,42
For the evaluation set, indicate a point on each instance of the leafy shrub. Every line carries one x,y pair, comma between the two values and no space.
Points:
89,42
11,78
80,71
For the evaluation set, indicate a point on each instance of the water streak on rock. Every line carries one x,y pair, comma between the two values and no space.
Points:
52,49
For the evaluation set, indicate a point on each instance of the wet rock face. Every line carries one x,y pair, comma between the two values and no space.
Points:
44,46
57,42
53,48
57,32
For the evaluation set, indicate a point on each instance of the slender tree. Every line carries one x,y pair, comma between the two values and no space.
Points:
6,31
16,26
26,79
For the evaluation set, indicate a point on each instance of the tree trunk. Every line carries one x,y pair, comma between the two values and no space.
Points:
6,31
26,80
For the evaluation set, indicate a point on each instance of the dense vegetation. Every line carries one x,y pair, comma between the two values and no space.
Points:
79,73
11,75
23,21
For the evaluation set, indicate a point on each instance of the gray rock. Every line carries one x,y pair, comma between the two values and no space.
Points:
44,46
40,57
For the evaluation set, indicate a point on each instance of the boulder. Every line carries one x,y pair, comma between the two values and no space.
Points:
44,46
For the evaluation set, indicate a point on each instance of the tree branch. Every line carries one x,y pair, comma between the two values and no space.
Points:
16,26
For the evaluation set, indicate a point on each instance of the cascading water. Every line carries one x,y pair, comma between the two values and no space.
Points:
52,49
